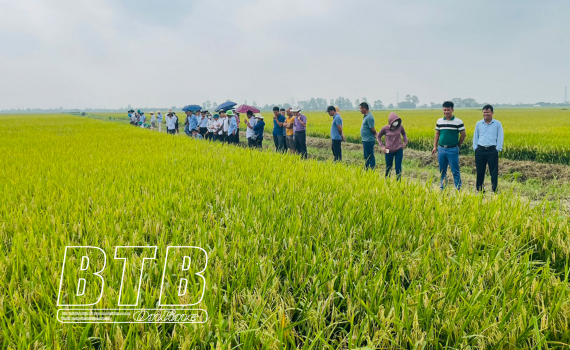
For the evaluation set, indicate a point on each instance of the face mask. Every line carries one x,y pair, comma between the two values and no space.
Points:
395,124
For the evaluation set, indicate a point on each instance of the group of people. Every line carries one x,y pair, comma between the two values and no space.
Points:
449,136
289,135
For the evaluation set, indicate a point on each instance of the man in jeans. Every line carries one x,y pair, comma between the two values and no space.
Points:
300,128
446,144
337,135
487,143
285,146
278,137
368,135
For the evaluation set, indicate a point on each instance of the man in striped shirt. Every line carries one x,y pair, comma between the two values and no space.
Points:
449,135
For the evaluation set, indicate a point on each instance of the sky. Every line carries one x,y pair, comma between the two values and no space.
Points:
112,53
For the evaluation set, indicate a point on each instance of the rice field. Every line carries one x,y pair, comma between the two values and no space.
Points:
302,254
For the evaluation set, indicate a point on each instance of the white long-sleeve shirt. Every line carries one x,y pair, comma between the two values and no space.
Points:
171,122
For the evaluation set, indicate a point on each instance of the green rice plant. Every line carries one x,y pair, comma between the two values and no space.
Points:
302,254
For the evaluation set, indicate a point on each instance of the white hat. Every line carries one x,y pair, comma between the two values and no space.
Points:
258,116
296,109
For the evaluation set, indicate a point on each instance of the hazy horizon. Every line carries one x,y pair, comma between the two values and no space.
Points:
109,54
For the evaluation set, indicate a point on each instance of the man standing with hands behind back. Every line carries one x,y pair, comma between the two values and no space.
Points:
446,144
487,143
368,135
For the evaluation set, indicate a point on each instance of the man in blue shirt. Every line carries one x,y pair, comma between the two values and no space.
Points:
278,137
191,124
487,143
233,128
337,136
368,135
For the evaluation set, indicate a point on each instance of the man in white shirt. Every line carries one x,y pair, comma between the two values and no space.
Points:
226,128
218,128
250,122
171,120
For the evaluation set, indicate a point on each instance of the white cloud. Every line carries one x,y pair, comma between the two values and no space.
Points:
79,53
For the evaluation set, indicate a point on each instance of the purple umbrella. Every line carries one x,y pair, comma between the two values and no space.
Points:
245,108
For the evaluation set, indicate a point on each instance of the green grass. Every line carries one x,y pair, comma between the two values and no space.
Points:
303,254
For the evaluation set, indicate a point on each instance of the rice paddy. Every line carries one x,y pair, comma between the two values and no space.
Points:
302,254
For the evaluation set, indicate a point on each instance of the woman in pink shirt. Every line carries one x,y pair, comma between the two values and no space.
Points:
396,141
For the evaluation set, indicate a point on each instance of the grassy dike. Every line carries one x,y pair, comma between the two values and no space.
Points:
302,254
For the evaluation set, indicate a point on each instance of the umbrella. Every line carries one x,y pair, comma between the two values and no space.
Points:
192,108
225,106
245,108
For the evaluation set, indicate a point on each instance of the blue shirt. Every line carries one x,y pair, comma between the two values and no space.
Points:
159,117
258,128
233,125
278,130
365,132
337,120
488,134
192,122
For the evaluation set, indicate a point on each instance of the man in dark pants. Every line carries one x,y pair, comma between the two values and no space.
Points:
368,135
487,143
337,135
300,127
278,137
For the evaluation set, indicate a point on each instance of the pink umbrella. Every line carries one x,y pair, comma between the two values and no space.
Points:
245,108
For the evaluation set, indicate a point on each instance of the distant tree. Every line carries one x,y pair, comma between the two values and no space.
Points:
377,105
214,105
406,104
457,102
245,102
357,103
390,106
364,99
412,99
254,104
470,102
